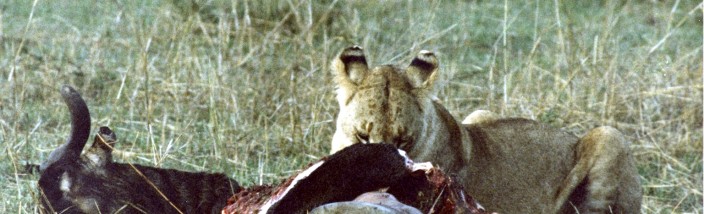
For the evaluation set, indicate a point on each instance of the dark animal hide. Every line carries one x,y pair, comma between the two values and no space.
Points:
427,190
351,172
340,177
71,182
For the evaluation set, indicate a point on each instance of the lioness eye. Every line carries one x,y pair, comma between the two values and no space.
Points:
363,138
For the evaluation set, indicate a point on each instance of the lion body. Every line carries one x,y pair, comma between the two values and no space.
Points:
508,165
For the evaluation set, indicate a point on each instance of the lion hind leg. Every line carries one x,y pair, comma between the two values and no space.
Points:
570,183
604,165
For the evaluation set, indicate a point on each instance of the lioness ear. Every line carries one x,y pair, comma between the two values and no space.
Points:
350,66
423,70
350,69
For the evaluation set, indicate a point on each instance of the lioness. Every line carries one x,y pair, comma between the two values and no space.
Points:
509,165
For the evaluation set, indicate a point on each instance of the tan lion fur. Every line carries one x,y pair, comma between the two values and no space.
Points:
510,165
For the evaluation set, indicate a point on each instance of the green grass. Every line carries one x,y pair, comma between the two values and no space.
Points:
244,87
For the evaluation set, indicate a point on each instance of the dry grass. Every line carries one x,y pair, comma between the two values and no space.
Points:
244,87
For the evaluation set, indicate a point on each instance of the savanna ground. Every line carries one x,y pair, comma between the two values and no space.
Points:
244,87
